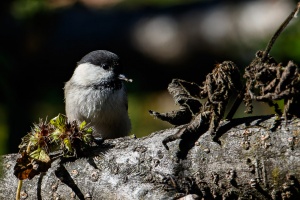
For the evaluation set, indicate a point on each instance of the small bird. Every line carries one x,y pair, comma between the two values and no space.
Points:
96,94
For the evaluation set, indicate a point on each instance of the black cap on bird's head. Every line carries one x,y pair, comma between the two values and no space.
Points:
105,59
101,58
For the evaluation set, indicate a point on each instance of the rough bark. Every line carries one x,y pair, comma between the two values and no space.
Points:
252,162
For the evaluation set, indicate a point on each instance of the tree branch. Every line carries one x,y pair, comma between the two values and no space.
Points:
252,161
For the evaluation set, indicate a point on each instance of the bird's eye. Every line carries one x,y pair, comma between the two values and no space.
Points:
104,66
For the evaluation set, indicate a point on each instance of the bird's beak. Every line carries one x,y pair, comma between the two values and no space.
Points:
123,78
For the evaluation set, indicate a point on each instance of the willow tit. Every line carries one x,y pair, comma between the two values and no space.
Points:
96,94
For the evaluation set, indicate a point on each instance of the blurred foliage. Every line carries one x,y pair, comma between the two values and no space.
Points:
3,130
138,3
142,123
28,8
24,9
287,46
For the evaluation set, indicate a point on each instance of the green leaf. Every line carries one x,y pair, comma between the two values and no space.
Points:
87,137
68,145
59,122
89,130
34,139
82,125
55,135
133,136
40,154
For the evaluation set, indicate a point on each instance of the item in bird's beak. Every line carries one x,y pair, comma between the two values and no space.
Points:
123,77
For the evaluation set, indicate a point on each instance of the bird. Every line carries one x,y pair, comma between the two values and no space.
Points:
96,94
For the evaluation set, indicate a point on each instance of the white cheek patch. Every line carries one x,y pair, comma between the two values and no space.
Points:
87,73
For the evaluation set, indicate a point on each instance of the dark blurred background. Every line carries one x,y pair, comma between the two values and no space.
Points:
41,41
